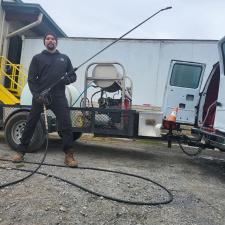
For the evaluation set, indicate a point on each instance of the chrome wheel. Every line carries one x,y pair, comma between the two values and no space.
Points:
17,131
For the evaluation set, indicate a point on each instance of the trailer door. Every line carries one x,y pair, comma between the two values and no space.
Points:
183,89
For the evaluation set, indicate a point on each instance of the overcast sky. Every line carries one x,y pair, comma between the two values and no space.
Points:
188,19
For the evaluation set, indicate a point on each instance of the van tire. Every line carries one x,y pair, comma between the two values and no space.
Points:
14,128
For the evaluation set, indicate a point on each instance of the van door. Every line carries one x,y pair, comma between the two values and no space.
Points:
182,90
220,109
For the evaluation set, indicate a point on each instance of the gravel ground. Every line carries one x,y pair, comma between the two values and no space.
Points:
196,183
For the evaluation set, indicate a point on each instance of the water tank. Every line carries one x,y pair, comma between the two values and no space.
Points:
102,72
72,95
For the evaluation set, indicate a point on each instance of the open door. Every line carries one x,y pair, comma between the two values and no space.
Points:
208,100
182,90
220,108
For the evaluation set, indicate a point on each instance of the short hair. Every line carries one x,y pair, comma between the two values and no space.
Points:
52,34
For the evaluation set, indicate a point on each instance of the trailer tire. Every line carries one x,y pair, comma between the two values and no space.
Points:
14,128
76,135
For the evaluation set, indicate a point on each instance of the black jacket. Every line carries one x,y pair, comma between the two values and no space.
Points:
45,69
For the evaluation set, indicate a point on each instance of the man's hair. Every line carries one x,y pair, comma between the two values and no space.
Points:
52,34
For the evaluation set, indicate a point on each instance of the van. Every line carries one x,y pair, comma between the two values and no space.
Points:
203,107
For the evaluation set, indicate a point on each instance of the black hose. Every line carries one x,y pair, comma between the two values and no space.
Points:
42,160
93,96
170,196
199,150
32,171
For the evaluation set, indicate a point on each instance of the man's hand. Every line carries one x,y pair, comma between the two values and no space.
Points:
69,78
38,98
43,98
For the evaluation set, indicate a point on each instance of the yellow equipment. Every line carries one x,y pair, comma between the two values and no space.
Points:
17,79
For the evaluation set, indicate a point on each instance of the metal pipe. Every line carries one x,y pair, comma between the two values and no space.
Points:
2,30
27,27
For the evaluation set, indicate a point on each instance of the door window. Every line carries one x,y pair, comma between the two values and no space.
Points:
187,76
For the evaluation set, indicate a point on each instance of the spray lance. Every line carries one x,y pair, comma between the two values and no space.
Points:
45,94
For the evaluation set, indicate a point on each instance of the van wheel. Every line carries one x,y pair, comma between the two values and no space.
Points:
76,135
15,127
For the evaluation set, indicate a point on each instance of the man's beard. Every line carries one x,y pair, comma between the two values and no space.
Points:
51,47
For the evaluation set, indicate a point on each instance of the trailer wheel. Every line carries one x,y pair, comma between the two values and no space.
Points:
14,129
76,135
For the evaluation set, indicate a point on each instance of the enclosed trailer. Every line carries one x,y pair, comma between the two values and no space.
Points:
146,60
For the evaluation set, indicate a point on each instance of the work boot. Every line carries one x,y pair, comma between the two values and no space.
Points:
18,157
69,160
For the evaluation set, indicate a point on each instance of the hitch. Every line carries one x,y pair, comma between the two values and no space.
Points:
170,126
184,141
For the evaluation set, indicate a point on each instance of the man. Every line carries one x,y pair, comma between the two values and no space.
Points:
45,69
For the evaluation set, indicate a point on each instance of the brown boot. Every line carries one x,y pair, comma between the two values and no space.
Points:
69,160
18,157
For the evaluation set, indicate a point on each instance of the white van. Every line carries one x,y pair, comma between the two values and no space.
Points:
204,108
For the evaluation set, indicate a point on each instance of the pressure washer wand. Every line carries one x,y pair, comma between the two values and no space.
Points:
118,39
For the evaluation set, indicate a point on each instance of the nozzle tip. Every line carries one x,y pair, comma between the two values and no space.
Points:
169,7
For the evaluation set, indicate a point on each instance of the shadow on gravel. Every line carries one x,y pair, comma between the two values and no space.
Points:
104,151
157,154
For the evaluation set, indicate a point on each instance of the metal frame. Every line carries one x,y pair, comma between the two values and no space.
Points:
88,79
123,129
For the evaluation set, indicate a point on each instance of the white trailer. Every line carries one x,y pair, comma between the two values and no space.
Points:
146,61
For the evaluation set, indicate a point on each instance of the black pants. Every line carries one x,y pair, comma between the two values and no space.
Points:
60,108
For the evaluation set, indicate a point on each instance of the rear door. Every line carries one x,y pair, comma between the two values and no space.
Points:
220,109
182,90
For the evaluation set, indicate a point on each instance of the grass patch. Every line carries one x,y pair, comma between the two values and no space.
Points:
149,141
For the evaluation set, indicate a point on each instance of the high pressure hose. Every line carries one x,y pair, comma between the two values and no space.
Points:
32,172
187,139
199,150
153,203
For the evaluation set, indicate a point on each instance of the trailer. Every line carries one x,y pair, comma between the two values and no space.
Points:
104,110
146,60
105,107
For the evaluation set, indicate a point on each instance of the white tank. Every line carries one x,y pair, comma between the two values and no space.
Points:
72,95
